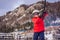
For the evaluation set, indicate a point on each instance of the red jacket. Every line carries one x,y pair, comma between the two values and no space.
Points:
38,24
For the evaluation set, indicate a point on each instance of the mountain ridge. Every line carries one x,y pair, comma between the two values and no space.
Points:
19,17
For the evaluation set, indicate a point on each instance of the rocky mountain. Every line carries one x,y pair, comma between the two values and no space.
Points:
20,17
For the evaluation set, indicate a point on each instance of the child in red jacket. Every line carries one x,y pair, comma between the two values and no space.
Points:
38,24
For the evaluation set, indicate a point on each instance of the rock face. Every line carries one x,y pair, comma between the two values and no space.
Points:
20,16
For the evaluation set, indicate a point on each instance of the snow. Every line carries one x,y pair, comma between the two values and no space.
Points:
56,21
5,19
21,17
49,36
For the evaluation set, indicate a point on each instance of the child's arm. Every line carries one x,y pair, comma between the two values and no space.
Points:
44,14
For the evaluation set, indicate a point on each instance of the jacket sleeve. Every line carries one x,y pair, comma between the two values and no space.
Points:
44,14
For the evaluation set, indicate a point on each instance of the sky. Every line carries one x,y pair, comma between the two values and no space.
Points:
9,5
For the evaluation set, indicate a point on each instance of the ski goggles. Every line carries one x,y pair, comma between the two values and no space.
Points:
36,13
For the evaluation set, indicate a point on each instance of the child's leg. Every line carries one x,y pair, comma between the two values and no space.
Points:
35,37
41,35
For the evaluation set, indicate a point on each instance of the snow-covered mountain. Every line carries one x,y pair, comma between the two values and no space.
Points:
21,16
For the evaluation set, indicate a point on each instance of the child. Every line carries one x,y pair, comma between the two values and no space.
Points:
38,24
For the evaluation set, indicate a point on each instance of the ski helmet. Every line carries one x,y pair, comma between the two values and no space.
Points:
35,11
